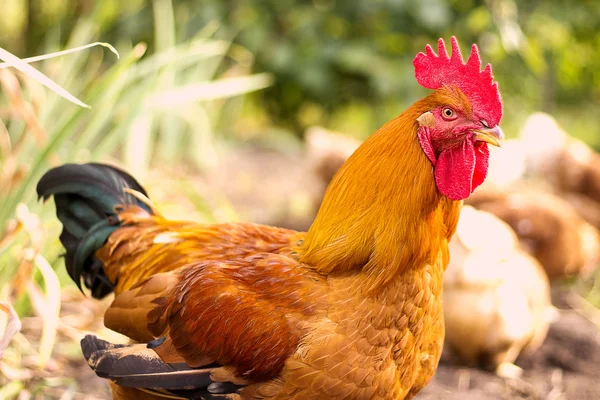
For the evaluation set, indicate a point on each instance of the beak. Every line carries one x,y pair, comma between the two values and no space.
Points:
493,136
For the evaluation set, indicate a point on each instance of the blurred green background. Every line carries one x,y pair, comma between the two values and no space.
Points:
198,78
347,64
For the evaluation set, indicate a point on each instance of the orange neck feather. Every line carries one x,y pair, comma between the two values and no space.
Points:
382,212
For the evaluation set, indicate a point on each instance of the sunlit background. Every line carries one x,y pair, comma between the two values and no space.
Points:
224,110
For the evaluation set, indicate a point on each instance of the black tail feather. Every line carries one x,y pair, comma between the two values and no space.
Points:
85,196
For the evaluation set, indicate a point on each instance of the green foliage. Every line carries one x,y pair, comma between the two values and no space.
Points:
354,58
348,64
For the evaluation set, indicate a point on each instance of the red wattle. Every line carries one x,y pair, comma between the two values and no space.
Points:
459,170
482,156
454,171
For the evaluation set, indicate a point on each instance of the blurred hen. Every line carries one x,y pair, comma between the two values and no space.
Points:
496,296
550,229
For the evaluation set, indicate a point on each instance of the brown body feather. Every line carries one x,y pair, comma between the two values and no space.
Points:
349,310
150,244
248,325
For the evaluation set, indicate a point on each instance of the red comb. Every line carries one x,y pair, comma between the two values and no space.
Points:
434,72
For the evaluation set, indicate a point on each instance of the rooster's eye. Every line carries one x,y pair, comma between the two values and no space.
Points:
484,123
448,113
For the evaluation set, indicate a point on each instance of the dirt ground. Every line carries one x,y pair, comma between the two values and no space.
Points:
566,367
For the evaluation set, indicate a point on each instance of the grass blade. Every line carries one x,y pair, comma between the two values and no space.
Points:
30,60
13,325
47,306
33,73
204,91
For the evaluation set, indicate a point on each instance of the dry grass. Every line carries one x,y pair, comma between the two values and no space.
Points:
34,368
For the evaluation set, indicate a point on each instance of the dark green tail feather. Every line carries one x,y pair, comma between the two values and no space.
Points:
85,196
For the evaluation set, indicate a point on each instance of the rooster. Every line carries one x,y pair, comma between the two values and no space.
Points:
351,309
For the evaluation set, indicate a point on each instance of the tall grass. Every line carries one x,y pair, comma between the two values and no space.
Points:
145,109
